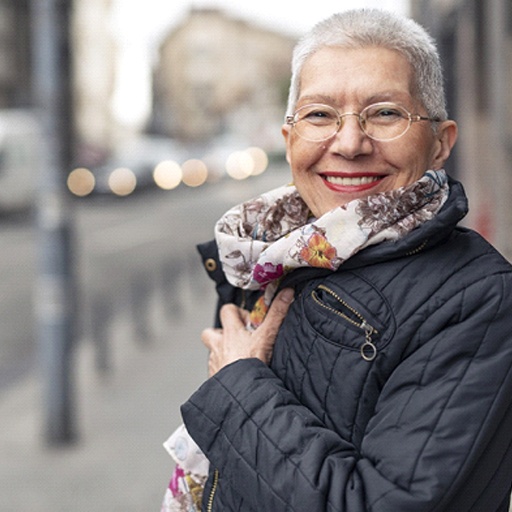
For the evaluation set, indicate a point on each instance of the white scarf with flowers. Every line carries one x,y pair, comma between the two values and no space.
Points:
263,239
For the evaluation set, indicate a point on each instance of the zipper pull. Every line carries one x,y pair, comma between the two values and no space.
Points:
368,349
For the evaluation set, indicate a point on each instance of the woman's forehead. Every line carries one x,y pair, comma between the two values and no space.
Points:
370,73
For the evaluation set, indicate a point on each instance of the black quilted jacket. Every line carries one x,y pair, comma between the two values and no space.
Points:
390,387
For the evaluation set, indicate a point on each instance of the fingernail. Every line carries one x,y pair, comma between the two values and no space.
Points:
287,295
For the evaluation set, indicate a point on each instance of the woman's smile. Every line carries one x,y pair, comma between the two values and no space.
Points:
350,183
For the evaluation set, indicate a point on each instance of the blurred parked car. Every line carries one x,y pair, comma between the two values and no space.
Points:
129,170
152,162
20,139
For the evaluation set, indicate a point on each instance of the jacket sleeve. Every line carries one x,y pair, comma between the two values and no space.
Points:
439,440
226,293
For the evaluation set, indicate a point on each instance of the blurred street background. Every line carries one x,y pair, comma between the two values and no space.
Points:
126,129
144,300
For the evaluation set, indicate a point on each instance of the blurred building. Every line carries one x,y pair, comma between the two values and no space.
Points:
475,38
215,75
94,65
218,75
94,60
14,54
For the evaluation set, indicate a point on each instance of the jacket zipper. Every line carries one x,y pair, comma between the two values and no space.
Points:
368,349
213,491
418,249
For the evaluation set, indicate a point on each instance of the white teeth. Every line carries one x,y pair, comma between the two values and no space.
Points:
336,180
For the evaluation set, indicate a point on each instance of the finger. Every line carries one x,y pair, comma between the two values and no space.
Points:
212,369
245,316
211,336
230,317
278,310
281,303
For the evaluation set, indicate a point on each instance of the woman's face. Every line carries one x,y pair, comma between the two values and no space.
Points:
350,165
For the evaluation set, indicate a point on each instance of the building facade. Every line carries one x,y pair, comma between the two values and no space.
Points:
218,75
94,65
215,75
94,57
475,39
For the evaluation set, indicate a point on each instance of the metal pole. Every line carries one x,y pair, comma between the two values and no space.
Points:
54,295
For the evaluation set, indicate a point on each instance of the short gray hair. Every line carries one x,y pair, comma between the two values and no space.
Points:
361,28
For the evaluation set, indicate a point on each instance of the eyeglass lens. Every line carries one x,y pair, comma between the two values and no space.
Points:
382,121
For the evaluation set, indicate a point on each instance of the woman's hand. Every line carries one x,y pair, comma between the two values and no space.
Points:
234,341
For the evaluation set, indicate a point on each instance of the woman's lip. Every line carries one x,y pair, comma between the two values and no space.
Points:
352,182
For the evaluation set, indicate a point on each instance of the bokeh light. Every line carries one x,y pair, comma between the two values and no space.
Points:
81,182
168,174
195,172
239,165
260,160
122,181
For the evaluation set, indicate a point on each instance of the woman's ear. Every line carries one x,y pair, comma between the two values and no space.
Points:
286,131
446,137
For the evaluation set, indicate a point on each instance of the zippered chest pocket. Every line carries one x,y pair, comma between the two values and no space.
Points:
354,316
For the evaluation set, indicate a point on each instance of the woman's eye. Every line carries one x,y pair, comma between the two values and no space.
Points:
387,112
384,114
318,115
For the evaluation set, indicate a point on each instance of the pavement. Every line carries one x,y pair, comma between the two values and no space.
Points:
123,416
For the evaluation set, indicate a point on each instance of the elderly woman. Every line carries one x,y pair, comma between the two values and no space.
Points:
388,385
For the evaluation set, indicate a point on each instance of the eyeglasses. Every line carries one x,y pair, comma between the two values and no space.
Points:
380,121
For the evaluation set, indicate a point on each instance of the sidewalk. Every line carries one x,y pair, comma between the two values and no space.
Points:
123,417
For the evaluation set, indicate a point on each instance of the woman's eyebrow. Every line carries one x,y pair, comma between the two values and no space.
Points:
388,95
322,98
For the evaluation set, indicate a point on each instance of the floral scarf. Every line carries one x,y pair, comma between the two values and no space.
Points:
263,239
260,241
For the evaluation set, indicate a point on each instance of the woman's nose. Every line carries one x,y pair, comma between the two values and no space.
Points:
350,140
